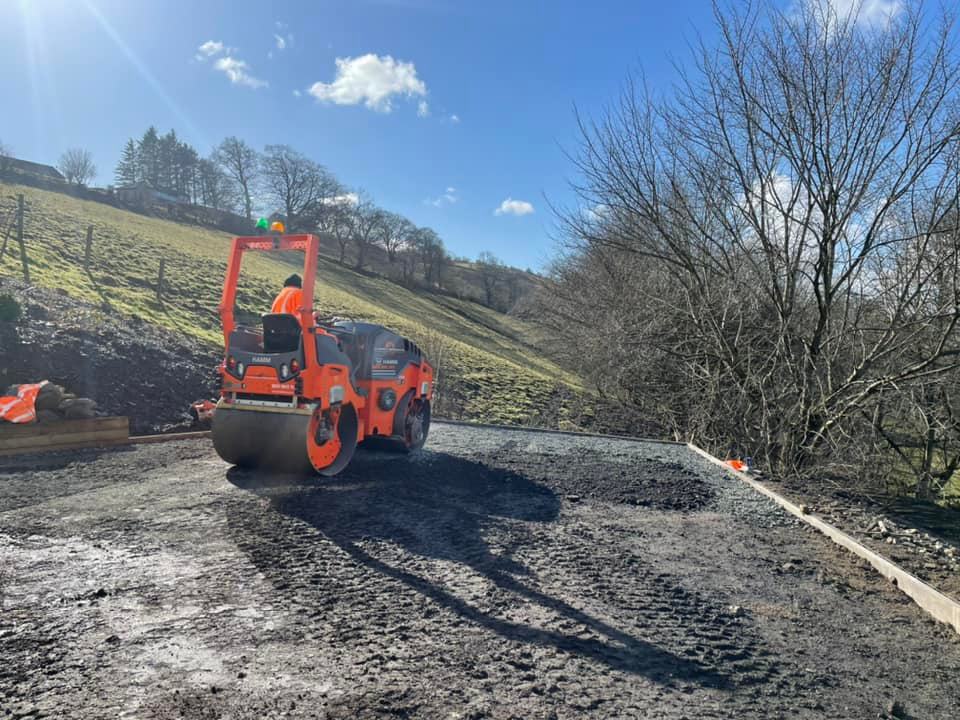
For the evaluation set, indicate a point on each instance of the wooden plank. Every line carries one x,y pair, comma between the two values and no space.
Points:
40,441
940,606
67,446
112,437
64,427
169,437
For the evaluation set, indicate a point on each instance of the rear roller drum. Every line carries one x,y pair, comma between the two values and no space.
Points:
412,421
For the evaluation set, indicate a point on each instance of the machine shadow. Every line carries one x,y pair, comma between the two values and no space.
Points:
443,507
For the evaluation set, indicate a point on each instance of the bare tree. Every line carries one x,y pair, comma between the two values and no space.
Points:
240,163
768,249
515,286
76,165
491,273
367,223
214,187
431,254
338,220
921,424
407,259
393,233
296,183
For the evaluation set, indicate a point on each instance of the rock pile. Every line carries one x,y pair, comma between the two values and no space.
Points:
920,542
932,556
54,404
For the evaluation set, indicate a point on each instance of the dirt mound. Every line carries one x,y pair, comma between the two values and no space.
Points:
126,365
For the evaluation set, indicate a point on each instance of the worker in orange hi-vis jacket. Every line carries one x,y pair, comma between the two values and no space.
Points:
22,407
290,298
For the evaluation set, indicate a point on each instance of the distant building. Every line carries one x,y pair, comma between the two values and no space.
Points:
142,194
25,166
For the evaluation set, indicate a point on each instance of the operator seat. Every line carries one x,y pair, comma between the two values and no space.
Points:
281,333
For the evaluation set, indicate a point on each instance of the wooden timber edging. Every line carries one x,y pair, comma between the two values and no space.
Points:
168,437
64,435
939,606
78,435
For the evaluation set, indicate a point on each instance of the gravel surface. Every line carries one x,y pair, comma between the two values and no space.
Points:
499,574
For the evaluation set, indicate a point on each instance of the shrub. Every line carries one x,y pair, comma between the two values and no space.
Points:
9,309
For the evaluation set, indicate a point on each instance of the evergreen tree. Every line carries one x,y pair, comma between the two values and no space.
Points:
128,168
185,172
148,154
169,171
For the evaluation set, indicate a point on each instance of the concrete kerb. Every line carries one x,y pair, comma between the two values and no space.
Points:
934,602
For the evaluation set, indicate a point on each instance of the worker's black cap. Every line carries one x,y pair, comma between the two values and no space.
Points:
293,281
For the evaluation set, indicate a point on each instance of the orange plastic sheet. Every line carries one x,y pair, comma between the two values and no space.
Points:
22,407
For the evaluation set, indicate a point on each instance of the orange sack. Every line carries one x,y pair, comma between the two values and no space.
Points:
22,408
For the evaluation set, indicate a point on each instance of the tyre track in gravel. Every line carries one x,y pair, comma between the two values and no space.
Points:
359,520
500,574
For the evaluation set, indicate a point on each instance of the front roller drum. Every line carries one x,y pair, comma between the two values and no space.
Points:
286,442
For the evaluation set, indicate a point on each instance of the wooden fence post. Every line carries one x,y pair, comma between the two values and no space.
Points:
89,246
23,247
6,233
160,280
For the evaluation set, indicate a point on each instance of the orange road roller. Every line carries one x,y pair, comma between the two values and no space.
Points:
298,395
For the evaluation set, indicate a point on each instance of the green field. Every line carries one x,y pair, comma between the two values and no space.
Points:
490,370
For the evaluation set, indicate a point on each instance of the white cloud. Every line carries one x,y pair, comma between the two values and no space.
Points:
514,207
237,71
596,213
210,48
234,68
372,80
423,109
296,93
349,198
448,197
281,41
866,12
454,119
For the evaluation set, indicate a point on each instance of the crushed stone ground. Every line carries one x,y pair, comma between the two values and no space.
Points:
499,574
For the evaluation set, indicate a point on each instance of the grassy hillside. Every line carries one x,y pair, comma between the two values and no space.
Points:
492,373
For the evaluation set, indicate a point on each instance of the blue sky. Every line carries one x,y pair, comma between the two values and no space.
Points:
499,79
